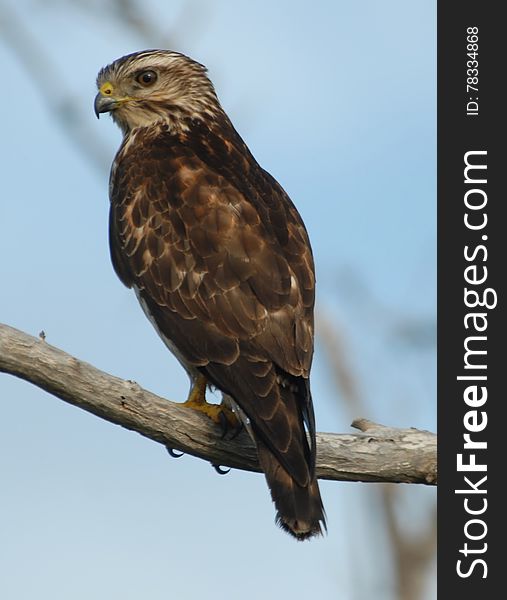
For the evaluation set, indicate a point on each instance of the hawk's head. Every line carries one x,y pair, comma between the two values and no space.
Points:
147,87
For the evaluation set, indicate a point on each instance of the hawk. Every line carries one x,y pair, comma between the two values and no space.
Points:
220,261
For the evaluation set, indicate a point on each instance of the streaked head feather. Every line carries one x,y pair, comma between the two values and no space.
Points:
182,90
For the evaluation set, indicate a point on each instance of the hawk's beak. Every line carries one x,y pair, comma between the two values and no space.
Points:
104,104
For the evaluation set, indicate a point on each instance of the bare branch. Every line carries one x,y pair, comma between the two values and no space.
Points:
378,454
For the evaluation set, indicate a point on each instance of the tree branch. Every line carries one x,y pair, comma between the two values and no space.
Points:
377,454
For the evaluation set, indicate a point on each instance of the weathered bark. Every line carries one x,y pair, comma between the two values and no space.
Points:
378,453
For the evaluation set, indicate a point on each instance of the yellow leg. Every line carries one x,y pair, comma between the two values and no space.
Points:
197,396
218,413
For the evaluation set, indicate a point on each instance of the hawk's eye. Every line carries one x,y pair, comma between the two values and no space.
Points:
147,78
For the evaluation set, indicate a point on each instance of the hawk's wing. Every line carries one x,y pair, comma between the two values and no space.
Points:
221,259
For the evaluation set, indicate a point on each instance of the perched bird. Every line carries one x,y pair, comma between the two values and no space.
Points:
220,260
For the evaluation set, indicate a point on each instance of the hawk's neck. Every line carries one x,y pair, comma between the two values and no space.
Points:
214,141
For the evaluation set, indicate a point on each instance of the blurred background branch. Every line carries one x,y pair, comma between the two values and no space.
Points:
413,552
63,106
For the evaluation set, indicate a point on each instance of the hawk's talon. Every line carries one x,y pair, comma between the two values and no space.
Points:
224,426
218,413
228,424
237,430
220,470
174,453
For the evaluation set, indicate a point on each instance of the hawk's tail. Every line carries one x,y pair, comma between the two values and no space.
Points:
300,511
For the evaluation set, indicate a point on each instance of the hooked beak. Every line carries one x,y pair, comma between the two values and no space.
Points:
104,104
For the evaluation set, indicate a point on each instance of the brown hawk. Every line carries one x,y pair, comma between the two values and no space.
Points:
220,261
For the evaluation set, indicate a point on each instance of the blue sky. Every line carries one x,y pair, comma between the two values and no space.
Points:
337,100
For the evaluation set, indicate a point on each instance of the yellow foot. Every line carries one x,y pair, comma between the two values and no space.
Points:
218,413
